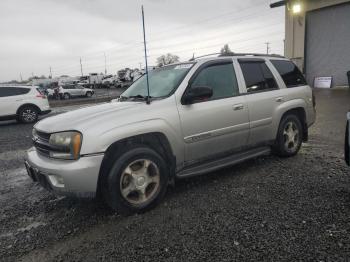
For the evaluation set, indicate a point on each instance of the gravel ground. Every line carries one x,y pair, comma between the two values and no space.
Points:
269,208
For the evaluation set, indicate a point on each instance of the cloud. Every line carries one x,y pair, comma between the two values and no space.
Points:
37,34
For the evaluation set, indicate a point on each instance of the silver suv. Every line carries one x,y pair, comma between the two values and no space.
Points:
202,115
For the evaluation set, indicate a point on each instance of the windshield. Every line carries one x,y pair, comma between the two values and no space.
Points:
162,81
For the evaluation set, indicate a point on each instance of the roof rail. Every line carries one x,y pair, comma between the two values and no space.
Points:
251,54
237,54
194,58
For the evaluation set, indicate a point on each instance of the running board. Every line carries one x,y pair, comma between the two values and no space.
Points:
222,162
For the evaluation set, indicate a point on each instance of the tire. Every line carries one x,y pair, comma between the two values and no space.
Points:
289,136
66,96
123,191
88,94
28,114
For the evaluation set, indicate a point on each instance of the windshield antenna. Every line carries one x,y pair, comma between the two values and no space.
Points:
148,101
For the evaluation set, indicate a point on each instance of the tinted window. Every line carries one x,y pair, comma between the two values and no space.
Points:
289,72
257,76
13,91
221,78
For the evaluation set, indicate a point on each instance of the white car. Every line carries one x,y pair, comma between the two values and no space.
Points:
109,80
23,103
69,91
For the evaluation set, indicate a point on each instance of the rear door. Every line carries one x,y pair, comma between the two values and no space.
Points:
263,96
11,98
217,125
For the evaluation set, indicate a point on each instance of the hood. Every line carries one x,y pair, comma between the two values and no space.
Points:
87,117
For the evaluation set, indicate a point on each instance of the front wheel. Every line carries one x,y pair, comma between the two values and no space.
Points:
289,137
88,94
137,181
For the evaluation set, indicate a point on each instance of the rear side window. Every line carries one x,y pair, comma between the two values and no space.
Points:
289,72
221,78
257,76
13,91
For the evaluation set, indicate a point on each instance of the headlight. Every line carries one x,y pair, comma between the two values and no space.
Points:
65,145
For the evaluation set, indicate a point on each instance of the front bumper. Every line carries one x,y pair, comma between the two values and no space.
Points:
68,177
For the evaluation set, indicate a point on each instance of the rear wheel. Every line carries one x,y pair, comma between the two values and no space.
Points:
66,96
28,114
137,181
289,137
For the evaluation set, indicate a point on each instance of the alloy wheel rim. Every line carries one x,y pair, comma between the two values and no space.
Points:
140,181
29,115
291,136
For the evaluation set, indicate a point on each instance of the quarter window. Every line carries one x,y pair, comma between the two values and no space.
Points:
13,91
257,76
221,78
289,72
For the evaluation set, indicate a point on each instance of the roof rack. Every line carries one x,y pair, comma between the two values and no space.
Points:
237,54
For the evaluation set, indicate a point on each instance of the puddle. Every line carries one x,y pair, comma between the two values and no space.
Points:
11,155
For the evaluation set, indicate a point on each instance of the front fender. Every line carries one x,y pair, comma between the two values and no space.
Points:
113,135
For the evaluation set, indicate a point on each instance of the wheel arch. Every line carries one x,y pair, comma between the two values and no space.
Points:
155,140
300,112
28,104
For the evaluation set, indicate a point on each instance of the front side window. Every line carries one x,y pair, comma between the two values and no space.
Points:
257,76
162,82
289,72
221,78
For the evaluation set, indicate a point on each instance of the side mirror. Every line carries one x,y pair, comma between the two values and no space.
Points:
347,141
197,93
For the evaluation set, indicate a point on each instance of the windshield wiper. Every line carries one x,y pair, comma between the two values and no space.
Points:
136,97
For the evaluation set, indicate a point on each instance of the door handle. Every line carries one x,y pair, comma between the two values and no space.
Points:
238,107
279,99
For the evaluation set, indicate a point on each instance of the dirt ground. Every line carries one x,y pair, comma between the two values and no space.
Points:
265,209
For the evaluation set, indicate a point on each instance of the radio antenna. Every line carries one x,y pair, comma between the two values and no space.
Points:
148,100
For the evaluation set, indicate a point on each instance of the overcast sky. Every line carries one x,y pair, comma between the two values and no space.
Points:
37,34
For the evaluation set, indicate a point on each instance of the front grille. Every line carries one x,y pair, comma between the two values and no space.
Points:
41,143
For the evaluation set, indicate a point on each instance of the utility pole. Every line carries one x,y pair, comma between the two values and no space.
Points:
267,47
20,75
81,67
140,66
50,73
104,53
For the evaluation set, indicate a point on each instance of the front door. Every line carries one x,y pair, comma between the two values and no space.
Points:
217,125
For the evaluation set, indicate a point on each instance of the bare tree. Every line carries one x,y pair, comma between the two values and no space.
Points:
226,50
167,59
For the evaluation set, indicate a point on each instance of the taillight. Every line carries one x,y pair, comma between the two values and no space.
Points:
41,96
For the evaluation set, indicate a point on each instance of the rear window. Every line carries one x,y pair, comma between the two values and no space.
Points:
13,91
257,76
289,72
